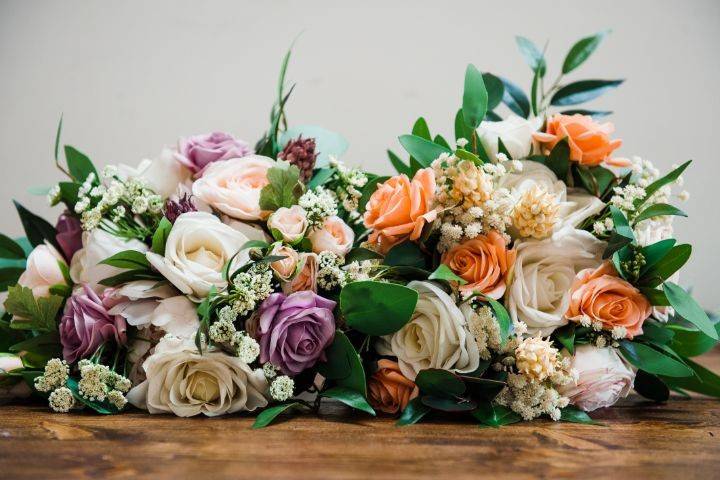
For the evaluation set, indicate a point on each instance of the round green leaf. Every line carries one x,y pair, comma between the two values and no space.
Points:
377,308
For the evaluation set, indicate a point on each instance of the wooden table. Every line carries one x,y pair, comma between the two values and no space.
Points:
678,440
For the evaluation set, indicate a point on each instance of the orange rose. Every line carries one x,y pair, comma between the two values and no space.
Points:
400,208
599,295
484,262
590,142
388,390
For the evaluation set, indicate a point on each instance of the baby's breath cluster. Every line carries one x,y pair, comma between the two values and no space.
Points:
359,270
282,388
470,201
250,288
349,184
100,383
330,275
55,375
319,203
484,327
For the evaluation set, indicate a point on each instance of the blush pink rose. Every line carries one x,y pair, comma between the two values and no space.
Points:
599,295
43,270
290,222
284,269
334,236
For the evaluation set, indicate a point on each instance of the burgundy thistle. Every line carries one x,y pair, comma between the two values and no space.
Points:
301,153
86,324
295,330
69,235
198,151
175,208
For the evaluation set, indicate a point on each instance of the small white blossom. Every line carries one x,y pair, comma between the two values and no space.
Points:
282,388
61,400
270,370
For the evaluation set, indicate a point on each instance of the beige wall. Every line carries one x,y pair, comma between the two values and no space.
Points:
131,76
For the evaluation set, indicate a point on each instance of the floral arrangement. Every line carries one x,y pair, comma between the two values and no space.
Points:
523,270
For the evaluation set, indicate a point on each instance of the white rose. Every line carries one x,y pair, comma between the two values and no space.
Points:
233,186
196,251
435,337
334,236
162,175
290,222
43,270
576,205
183,382
251,231
143,303
544,271
602,378
515,132
653,230
98,245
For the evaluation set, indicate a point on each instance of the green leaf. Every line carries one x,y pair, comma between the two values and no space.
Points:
703,381
622,233
581,51
130,276
465,155
515,99
495,90
669,264
502,316
36,351
254,244
443,272
566,336
440,140
653,361
377,308
495,415
447,404
559,159
655,252
360,254
406,254
128,259
475,97
398,164
284,187
582,91
9,248
320,177
688,342
30,313
37,229
688,308
104,408
575,415
596,114
369,188
327,143
57,139
656,333
651,386
440,383
596,180
421,129
350,398
267,416
343,365
532,55
9,276
69,193
79,165
461,129
424,151
661,182
413,413
658,210
534,92
159,238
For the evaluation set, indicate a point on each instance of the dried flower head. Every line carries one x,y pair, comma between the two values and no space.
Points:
536,213
301,153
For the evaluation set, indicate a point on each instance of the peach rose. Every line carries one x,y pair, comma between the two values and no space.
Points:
306,278
388,390
334,236
290,222
599,295
484,262
233,186
590,142
284,269
400,208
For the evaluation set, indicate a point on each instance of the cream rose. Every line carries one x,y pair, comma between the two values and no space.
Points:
162,175
435,337
575,205
290,222
98,245
182,381
334,236
544,272
196,251
286,268
43,270
233,186
603,378
515,132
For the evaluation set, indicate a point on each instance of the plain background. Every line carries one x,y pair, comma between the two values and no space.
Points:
132,76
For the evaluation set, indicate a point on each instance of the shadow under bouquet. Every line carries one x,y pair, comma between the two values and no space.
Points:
523,269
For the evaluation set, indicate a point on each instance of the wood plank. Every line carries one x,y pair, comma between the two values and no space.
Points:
640,439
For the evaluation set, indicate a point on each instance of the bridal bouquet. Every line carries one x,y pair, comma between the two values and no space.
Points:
524,269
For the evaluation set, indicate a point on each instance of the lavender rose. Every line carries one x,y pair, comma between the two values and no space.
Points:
295,330
86,324
199,151
69,235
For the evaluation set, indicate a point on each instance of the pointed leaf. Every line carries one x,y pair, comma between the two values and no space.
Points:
688,308
581,51
582,91
475,97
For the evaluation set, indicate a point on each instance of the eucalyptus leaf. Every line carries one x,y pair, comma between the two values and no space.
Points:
515,99
651,386
267,416
413,413
653,361
575,415
532,55
688,308
443,272
475,97
400,166
658,210
343,365
424,151
377,308
349,397
439,383
9,248
582,91
582,49
79,165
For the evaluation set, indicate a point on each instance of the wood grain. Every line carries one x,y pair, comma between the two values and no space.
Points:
677,440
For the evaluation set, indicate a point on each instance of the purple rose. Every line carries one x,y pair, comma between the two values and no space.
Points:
198,151
295,330
69,235
86,324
